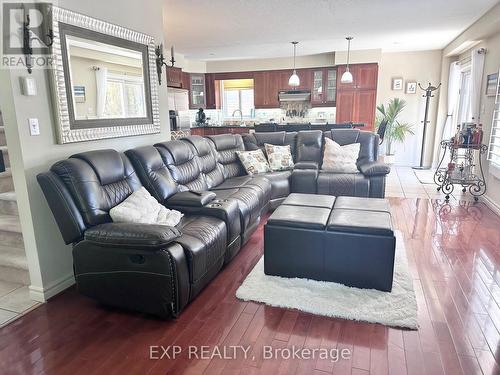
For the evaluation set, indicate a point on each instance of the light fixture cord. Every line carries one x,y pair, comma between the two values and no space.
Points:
294,48
348,52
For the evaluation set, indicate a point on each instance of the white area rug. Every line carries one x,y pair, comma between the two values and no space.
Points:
397,309
425,176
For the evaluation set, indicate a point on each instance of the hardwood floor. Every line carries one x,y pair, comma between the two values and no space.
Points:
454,255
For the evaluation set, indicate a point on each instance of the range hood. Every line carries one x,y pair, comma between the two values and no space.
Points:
295,96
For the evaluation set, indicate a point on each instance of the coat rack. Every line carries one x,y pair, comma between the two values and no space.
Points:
428,95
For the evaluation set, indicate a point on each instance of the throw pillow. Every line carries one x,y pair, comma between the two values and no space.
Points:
279,157
140,207
340,159
254,161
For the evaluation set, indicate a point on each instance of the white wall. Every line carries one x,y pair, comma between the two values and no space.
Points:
423,67
50,261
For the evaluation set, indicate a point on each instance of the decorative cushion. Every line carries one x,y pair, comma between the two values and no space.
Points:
279,157
254,161
141,208
340,159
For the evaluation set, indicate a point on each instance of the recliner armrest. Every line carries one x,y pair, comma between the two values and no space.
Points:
306,165
132,235
375,169
191,199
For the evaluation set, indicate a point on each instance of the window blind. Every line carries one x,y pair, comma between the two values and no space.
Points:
494,149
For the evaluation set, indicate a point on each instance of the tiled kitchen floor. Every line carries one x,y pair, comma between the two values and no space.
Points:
14,301
403,183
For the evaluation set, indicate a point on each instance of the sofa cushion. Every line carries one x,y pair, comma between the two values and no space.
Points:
280,183
207,159
352,184
309,144
226,146
340,159
360,222
93,190
310,200
254,162
279,157
300,217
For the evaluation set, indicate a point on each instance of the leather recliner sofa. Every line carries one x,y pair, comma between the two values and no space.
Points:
158,269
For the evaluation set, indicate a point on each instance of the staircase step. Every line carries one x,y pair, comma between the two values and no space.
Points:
14,275
6,159
6,183
3,140
10,231
8,203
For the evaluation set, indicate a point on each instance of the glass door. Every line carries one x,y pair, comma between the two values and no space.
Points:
197,91
317,89
331,86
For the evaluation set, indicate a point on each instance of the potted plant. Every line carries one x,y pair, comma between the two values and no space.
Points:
395,131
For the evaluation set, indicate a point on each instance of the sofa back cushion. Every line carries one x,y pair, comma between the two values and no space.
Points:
255,141
309,144
153,172
368,142
207,158
183,164
97,181
226,146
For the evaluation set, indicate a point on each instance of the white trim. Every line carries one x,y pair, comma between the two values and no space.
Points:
56,287
491,204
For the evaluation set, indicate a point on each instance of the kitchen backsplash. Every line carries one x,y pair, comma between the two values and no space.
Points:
291,113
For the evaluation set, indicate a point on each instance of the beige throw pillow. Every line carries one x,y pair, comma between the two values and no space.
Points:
340,159
254,161
279,157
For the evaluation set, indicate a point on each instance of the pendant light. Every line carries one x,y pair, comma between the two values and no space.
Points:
294,79
347,76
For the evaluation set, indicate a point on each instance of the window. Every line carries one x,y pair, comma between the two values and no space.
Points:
464,104
124,96
237,94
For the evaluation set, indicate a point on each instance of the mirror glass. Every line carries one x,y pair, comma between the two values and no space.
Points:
106,80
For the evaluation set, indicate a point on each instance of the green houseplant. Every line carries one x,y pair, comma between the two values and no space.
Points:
396,131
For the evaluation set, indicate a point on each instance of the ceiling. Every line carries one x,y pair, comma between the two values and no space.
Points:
244,29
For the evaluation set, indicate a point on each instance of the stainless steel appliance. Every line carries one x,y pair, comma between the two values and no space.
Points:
295,96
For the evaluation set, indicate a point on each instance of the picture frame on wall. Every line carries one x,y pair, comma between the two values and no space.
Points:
491,84
411,87
397,83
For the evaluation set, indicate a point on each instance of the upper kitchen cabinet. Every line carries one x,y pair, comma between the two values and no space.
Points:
364,77
213,94
323,87
197,91
174,77
266,85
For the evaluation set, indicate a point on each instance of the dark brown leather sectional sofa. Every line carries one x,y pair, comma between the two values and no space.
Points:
158,269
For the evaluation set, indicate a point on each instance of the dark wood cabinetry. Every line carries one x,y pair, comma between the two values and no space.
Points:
174,77
356,101
323,87
266,85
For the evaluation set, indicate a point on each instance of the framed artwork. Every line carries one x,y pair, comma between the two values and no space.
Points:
411,87
397,83
491,84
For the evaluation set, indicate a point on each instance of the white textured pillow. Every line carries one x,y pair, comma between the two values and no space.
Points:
141,208
254,161
340,159
279,157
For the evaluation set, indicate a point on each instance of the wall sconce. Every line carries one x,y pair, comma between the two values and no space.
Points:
28,36
160,61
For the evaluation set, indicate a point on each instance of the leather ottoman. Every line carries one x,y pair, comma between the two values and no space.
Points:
349,241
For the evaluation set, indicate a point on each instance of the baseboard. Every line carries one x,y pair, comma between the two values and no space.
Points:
491,204
43,294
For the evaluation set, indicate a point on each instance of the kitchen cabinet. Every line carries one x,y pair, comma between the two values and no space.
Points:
174,77
365,77
357,106
356,101
197,91
265,86
212,90
186,81
323,87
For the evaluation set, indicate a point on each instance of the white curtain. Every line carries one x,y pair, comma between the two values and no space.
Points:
477,67
101,76
454,79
